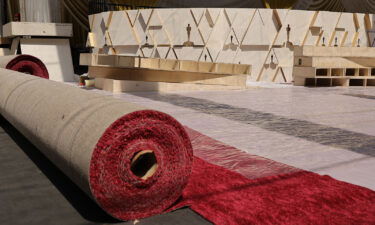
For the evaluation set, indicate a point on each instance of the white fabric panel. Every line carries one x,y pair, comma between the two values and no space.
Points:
47,11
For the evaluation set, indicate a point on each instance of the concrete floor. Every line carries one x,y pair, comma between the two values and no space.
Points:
325,130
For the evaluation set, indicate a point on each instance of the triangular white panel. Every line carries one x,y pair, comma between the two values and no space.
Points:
119,23
161,52
282,13
230,14
257,32
213,15
270,28
229,51
165,14
99,28
268,73
145,14
156,30
242,22
327,21
205,56
346,30
284,56
204,27
231,39
279,76
171,54
218,36
272,58
147,52
254,57
155,19
91,20
130,50
208,22
140,28
156,54
132,14
188,53
299,23
176,26
159,37
197,14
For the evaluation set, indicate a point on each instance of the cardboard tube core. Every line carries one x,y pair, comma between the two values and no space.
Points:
144,164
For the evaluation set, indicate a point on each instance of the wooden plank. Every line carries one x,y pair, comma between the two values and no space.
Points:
118,86
341,62
164,64
14,29
141,74
359,52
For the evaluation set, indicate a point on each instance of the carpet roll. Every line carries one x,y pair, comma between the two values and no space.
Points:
24,64
132,161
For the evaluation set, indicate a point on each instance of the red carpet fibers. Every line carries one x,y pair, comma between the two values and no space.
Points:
28,64
116,188
225,197
280,195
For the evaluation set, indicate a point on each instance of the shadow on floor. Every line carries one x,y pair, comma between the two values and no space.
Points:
84,205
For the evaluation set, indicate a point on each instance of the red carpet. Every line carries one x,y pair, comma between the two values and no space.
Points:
226,197
28,64
113,181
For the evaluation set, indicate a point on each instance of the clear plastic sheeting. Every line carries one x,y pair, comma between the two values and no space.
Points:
250,166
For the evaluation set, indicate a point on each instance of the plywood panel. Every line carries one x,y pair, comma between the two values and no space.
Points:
166,76
13,29
118,86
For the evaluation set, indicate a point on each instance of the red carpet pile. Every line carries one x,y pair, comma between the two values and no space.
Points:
292,196
28,64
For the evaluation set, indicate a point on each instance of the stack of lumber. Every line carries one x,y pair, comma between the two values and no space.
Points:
119,73
334,66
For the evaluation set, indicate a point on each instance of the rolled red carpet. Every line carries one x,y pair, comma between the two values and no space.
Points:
25,64
132,161
115,178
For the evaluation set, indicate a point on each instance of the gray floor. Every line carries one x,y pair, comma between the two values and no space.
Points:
34,191
325,130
